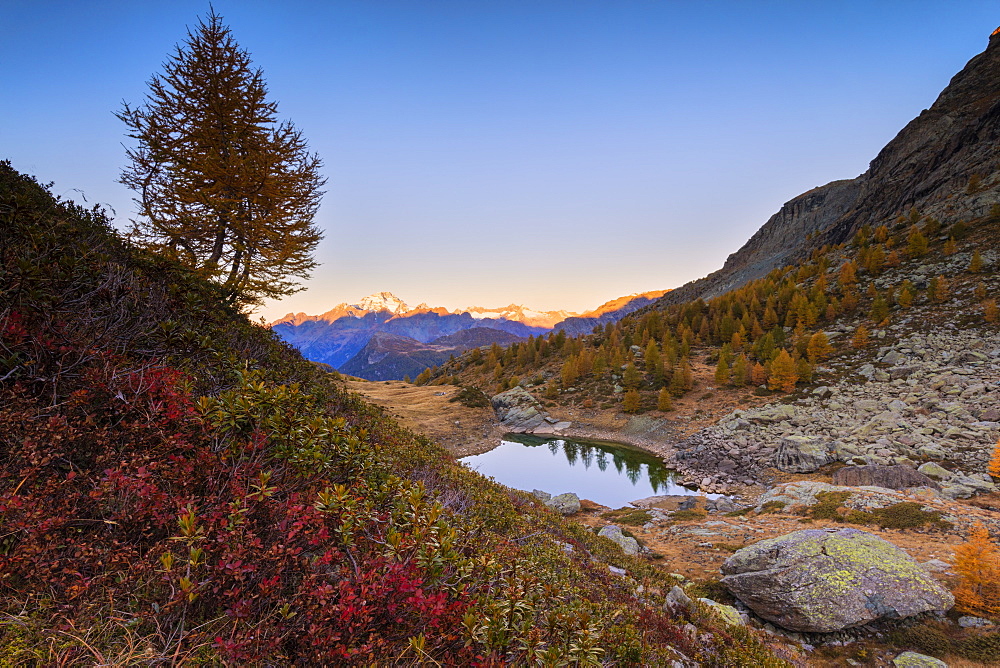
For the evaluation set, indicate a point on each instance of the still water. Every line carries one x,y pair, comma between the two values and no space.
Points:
609,474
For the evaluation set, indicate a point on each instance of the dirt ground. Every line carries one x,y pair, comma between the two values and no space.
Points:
426,409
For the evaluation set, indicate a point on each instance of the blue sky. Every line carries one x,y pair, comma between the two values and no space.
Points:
553,153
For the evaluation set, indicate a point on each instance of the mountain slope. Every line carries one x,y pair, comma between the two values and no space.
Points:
611,311
177,486
948,149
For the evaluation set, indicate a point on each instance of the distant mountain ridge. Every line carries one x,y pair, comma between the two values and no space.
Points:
342,335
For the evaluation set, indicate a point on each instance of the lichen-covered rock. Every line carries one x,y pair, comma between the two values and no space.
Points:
932,470
567,503
727,613
800,492
899,476
915,660
517,409
826,580
802,454
677,600
628,544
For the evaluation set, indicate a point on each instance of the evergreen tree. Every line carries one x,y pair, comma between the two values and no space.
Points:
819,348
860,338
631,378
631,401
977,564
740,372
223,188
976,263
721,372
663,402
783,372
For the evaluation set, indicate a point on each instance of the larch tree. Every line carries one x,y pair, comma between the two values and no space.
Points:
222,186
783,373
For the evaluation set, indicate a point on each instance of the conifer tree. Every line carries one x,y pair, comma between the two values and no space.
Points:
860,338
994,465
990,311
905,297
631,378
819,347
980,290
222,187
721,372
740,371
950,247
783,373
631,401
977,564
879,310
917,244
758,374
663,402
976,263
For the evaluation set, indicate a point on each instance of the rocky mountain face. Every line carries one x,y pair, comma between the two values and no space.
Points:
342,334
948,148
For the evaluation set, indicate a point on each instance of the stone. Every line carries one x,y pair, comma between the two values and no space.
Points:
890,477
677,599
567,503
963,486
541,495
614,533
516,408
932,470
802,493
970,622
821,581
917,660
727,613
802,454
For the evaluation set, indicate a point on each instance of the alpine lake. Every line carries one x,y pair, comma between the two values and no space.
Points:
610,474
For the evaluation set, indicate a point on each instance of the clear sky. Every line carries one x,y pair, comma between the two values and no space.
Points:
552,153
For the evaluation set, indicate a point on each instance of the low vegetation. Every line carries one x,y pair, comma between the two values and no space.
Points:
176,485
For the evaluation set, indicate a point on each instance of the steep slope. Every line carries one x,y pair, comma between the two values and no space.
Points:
177,486
944,163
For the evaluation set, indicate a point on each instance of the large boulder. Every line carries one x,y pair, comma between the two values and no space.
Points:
567,503
822,580
899,476
628,544
518,410
803,454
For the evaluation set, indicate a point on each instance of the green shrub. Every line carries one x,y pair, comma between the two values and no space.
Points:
629,516
471,397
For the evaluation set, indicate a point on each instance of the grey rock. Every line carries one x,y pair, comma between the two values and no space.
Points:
890,477
567,503
827,580
614,533
969,622
541,495
917,660
802,454
727,613
933,470
677,599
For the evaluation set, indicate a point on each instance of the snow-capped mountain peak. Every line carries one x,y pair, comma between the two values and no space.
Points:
383,301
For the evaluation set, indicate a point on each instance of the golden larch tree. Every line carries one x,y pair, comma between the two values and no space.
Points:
222,186
783,373
977,564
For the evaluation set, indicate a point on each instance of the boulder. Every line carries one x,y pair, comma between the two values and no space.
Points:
933,470
517,409
541,495
890,477
727,613
823,580
917,660
677,600
802,454
799,493
613,533
567,503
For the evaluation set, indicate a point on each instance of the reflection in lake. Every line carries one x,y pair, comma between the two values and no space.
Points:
607,473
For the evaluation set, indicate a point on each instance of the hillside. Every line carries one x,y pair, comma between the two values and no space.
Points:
178,486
